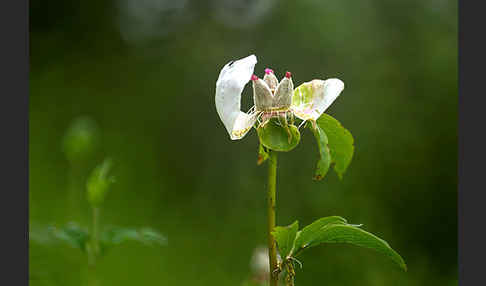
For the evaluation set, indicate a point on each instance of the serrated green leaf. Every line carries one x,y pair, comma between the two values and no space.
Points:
310,233
324,161
342,233
285,237
262,154
276,137
72,234
340,143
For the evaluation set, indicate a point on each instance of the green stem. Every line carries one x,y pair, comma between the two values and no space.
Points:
93,249
272,187
96,231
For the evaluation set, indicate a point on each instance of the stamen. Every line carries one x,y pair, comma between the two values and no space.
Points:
251,110
267,71
302,123
288,74
254,77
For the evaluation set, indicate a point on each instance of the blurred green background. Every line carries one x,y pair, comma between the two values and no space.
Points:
144,72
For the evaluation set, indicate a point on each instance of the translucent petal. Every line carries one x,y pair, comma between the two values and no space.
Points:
229,86
243,123
311,99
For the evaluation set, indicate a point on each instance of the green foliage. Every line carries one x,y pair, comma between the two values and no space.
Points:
332,229
99,182
342,233
340,143
285,237
117,235
72,234
279,138
308,234
324,161
78,237
81,139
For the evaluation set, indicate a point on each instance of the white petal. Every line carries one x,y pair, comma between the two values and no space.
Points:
243,123
229,86
312,98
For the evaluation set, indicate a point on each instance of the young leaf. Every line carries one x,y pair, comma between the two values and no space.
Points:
285,236
99,182
324,154
118,235
276,137
72,234
262,154
340,142
311,232
343,233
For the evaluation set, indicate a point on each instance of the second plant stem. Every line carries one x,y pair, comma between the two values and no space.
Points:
272,189
96,231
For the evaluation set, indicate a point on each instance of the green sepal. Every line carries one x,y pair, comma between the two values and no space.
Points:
278,138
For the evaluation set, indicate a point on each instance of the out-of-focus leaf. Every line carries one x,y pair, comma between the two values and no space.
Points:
150,236
118,235
310,233
324,161
276,137
285,237
340,141
344,233
72,234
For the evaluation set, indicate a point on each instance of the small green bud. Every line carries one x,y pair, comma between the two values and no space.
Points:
80,140
99,182
279,138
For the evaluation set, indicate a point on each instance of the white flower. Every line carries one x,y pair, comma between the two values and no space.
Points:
271,98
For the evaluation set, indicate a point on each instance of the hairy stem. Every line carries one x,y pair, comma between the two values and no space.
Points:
272,187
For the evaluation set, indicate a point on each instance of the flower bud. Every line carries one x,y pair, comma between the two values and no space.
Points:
80,140
270,79
98,183
262,95
283,94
